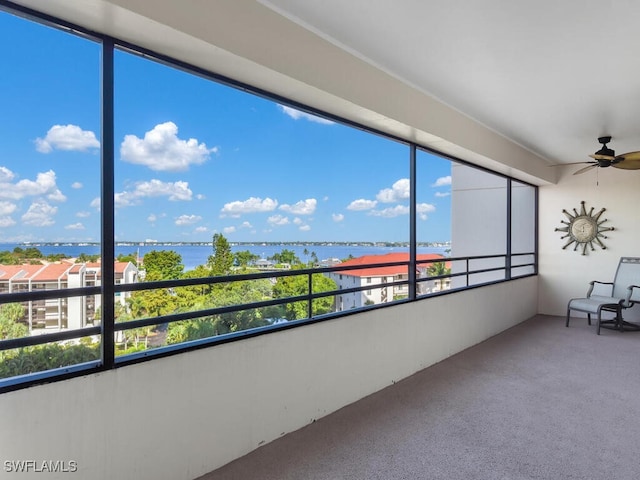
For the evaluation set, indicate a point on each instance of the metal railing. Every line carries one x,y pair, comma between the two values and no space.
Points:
416,287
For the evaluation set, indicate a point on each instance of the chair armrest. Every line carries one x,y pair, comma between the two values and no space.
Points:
592,284
627,301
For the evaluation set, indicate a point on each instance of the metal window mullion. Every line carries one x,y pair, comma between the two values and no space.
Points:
507,266
107,204
413,286
535,230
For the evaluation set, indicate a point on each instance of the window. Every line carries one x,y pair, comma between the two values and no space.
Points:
208,242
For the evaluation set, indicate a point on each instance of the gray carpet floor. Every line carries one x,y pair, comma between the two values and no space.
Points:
539,401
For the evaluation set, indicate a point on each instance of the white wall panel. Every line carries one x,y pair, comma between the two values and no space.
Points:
181,416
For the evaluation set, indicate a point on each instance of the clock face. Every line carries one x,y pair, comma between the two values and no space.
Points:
583,229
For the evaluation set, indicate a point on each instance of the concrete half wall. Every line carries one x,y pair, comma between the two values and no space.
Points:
182,416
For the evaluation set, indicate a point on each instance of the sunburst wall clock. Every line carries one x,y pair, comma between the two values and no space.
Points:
584,229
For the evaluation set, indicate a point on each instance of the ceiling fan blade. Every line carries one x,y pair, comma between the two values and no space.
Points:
573,163
585,169
598,156
629,156
628,163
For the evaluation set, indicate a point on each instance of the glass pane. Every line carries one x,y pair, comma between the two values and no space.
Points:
434,219
479,227
48,356
49,180
212,181
523,222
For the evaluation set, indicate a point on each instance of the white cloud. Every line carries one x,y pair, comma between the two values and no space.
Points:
7,208
6,175
83,214
43,185
398,192
76,185
175,191
303,207
278,220
75,226
228,230
442,181
297,221
188,219
297,115
95,203
305,228
7,222
423,208
152,218
362,204
57,196
246,225
200,229
442,194
391,211
40,214
337,217
162,150
200,196
67,137
251,205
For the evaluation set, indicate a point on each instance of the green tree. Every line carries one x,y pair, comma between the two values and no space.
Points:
85,258
438,269
8,258
10,324
163,265
131,257
285,256
45,357
224,295
32,252
148,304
295,285
244,258
193,297
222,259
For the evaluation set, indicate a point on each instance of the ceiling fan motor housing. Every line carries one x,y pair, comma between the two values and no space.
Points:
605,151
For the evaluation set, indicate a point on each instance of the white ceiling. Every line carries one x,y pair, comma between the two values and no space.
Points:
550,75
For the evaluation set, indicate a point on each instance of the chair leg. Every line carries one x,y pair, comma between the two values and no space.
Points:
589,318
599,318
568,312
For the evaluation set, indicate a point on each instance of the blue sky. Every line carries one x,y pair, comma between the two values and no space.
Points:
193,157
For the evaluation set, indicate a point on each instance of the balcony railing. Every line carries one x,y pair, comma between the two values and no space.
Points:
463,273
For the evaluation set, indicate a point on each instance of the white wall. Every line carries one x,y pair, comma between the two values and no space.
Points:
182,416
565,274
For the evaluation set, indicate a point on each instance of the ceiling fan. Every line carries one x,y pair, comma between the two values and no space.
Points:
606,157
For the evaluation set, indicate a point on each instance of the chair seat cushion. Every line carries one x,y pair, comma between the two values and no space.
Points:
592,304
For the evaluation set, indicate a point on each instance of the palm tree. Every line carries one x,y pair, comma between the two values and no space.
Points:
438,269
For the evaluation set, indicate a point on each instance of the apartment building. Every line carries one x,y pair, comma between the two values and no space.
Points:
379,280
62,313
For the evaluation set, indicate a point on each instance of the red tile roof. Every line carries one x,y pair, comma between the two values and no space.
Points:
51,272
386,258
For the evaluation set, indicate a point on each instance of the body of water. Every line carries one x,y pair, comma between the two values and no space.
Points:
194,255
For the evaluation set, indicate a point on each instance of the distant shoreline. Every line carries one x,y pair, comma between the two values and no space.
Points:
250,244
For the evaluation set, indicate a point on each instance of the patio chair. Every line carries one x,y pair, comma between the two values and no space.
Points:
624,292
